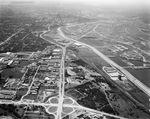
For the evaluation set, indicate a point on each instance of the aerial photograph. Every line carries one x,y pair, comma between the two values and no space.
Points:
74,59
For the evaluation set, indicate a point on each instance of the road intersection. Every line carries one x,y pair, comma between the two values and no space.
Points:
112,63
60,107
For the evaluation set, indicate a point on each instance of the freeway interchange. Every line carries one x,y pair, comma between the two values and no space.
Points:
56,105
74,62
58,108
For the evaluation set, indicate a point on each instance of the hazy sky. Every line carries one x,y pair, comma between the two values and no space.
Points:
92,2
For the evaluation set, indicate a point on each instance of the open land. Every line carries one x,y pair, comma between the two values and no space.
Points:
67,63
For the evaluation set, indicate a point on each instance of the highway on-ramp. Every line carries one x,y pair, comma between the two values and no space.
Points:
113,64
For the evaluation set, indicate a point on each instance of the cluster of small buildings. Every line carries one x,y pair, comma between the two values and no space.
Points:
41,72
78,73
7,94
118,77
91,115
12,83
9,58
6,59
117,48
47,75
74,80
135,55
9,84
114,74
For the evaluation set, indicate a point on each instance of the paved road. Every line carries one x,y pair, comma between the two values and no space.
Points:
113,64
61,85
29,89
60,104
10,37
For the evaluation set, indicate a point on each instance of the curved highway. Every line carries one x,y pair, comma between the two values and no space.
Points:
113,64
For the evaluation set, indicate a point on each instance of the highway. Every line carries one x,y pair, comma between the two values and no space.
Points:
61,85
61,95
60,104
113,64
62,77
47,106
